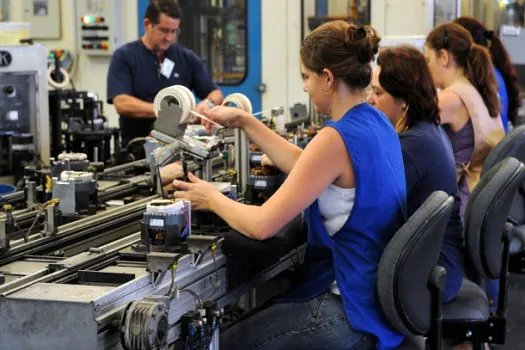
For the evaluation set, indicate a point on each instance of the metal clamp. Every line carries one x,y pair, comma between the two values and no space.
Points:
158,264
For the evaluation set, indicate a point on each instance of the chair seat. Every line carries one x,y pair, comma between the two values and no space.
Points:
470,304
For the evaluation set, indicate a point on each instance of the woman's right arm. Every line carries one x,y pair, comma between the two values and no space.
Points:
283,154
452,110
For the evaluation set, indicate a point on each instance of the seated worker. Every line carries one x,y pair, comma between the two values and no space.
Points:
509,96
469,105
350,179
402,87
140,69
506,76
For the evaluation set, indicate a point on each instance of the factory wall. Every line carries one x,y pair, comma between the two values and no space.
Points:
281,38
90,74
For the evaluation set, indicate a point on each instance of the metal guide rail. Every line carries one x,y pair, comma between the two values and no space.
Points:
114,297
104,226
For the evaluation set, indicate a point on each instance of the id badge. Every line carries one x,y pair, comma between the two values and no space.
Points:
167,67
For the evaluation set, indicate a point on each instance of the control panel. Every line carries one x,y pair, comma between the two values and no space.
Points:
99,26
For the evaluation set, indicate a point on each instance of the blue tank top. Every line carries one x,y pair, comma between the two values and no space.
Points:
503,99
352,254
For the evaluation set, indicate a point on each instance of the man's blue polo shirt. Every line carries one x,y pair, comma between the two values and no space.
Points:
134,71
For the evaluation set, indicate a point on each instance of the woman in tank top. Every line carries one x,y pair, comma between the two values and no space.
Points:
402,87
506,75
336,307
469,106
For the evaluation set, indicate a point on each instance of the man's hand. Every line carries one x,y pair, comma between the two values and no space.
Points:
204,105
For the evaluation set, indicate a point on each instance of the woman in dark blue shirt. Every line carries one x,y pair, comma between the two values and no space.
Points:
403,89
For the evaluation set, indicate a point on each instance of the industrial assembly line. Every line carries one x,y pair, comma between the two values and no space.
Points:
94,255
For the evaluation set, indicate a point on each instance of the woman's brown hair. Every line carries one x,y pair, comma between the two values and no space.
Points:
500,58
345,49
405,75
473,58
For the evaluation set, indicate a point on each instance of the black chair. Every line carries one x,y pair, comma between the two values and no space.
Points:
513,145
487,242
409,284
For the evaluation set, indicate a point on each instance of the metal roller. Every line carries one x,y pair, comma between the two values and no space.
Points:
179,95
238,100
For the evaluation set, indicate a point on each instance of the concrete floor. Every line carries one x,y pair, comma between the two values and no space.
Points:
516,314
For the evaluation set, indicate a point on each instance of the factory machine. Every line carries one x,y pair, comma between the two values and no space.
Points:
144,275
24,126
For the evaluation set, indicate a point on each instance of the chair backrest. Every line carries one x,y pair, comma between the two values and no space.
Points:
407,262
486,214
512,145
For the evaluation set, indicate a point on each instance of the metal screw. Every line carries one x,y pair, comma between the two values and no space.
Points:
491,325
490,338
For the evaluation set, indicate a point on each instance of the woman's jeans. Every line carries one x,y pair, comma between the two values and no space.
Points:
316,324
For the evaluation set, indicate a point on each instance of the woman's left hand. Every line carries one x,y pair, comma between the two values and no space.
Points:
197,191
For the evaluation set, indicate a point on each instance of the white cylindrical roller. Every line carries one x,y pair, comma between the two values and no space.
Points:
179,95
72,156
164,207
239,101
80,176
56,84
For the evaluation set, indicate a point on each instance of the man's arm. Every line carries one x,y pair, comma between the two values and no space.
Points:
120,88
133,107
214,98
203,85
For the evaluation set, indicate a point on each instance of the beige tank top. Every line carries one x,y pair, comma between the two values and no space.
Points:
488,131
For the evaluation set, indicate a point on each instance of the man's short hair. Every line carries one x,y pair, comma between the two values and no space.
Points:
170,8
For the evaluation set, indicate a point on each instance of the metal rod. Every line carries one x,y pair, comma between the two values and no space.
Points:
504,274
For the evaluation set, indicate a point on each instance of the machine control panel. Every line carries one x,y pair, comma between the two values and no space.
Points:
99,26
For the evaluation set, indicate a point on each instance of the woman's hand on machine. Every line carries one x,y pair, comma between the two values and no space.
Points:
199,192
226,116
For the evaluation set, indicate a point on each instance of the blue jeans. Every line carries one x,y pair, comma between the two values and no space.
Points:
316,324
492,290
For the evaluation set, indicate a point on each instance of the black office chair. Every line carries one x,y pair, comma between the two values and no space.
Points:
409,284
487,242
513,145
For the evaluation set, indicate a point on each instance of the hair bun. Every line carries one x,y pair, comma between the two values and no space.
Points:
360,33
364,41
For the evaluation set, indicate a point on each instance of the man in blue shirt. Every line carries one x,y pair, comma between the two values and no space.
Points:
140,69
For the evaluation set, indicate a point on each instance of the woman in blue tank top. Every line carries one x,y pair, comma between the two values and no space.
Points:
403,88
357,163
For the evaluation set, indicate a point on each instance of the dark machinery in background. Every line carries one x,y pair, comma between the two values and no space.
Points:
78,125
16,151
224,51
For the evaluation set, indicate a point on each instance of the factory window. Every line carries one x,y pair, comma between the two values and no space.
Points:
216,30
445,11
321,11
